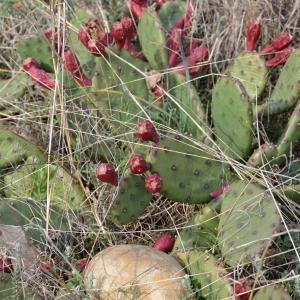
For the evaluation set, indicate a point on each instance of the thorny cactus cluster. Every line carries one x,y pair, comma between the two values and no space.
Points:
120,73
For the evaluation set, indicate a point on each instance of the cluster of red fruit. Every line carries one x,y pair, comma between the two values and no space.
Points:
280,46
95,39
106,172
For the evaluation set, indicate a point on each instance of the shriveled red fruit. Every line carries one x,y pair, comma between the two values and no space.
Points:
164,243
279,43
188,50
53,38
71,64
220,191
280,58
252,35
173,42
198,55
33,69
106,172
118,34
5,265
128,29
153,183
146,131
138,165
94,37
81,264
238,289
137,7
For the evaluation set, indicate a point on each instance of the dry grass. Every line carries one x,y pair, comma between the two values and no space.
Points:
220,24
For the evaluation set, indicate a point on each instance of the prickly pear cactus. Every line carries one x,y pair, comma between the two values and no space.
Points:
188,173
9,289
208,276
39,49
200,233
187,102
232,117
152,39
30,181
287,90
85,58
276,153
119,89
250,70
14,149
272,292
11,90
170,12
130,199
248,219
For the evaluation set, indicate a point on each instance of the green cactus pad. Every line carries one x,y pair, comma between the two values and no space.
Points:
277,154
10,289
170,12
30,182
153,39
232,118
200,233
292,192
130,199
248,219
31,215
262,155
189,174
287,90
117,88
14,149
39,49
250,70
272,292
208,277
85,58
11,90
186,96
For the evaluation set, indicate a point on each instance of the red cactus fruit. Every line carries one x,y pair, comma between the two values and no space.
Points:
279,43
173,42
252,35
106,172
46,265
188,50
118,34
33,69
72,65
153,183
5,265
128,28
84,37
138,165
137,7
158,91
53,38
146,131
94,37
220,191
238,288
280,58
164,243
82,264
198,55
